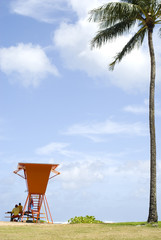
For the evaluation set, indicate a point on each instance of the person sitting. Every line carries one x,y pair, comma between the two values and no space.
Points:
20,208
15,212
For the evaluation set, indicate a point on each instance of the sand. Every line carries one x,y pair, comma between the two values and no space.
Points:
14,223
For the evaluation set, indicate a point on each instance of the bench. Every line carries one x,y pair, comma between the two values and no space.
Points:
27,215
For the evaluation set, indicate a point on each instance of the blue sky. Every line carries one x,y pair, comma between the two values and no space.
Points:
60,104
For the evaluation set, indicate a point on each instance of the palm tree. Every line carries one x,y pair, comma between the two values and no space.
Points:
115,19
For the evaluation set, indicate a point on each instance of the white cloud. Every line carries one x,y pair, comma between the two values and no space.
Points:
90,169
92,130
76,53
132,73
136,109
41,10
53,10
142,109
80,173
52,147
75,48
26,63
82,7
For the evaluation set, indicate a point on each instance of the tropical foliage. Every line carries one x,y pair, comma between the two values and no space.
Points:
86,219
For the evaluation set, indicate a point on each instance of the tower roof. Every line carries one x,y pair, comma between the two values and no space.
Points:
37,175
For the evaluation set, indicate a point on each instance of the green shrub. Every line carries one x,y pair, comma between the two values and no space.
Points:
86,219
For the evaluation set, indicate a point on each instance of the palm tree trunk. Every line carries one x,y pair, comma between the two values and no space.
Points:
153,217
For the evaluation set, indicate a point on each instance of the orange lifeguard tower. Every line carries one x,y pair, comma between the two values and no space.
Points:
37,176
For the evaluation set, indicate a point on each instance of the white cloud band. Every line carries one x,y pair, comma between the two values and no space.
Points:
26,63
92,130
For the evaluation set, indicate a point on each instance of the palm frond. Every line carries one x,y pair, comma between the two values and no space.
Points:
135,41
117,18
146,6
114,12
111,33
158,12
149,6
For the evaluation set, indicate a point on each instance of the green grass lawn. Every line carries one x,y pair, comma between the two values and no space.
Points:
123,231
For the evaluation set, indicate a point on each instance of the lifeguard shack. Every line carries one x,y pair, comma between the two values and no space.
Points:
37,177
